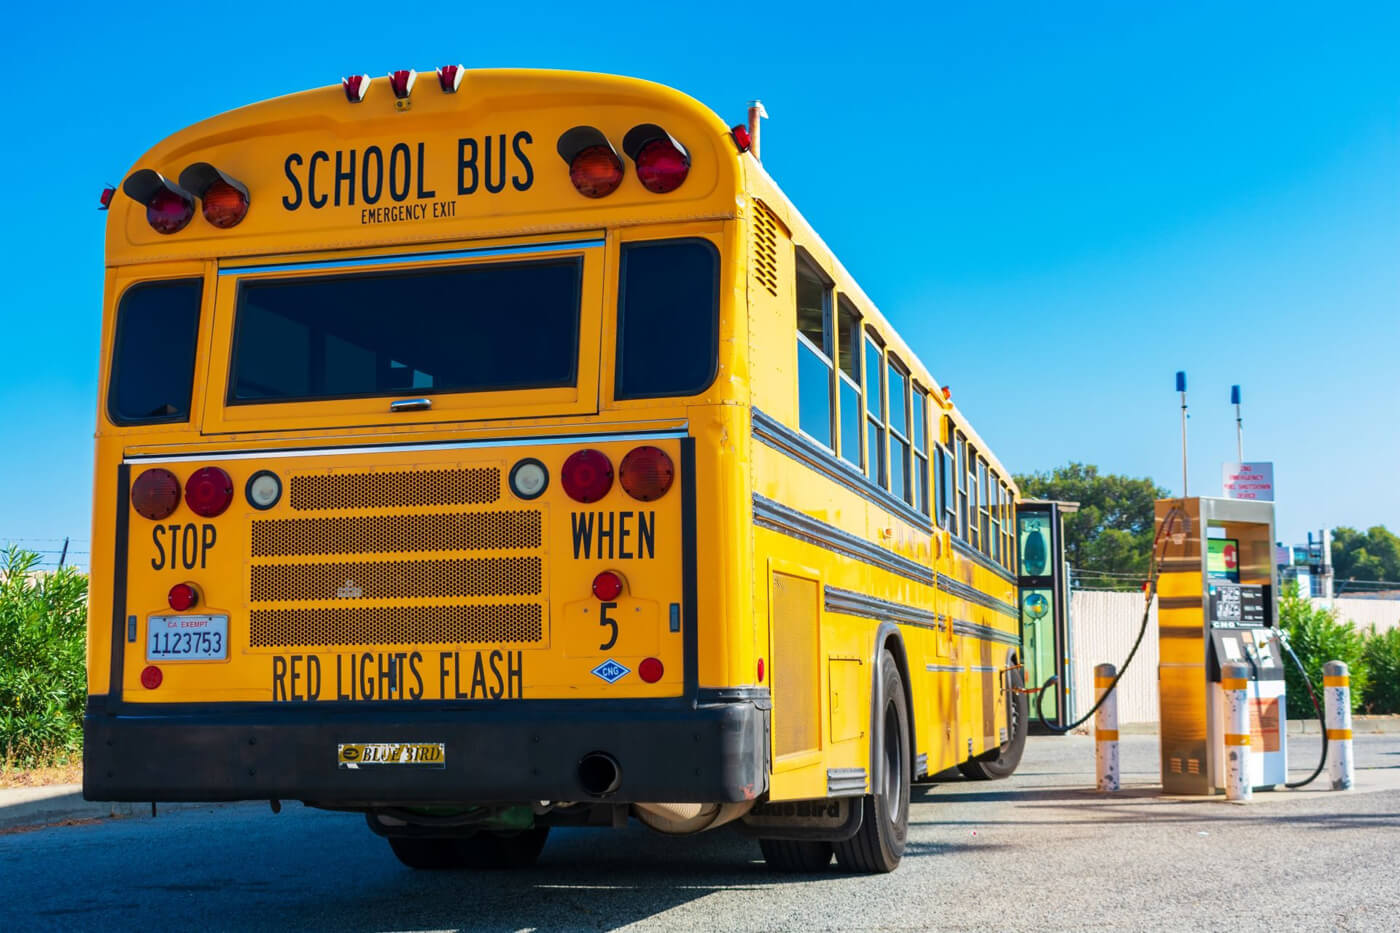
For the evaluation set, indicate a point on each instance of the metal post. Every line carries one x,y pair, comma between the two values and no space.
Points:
1336,690
1181,387
1106,770
1234,680
1239,423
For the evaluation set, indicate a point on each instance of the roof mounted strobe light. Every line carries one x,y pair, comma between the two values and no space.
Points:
356,86
224,197
402,82
168,206
594,165
662,162
450,78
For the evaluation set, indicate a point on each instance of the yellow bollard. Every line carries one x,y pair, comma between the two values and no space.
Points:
1336,692
1106,769
1234,680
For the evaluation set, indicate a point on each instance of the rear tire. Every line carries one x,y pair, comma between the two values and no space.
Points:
427,854
884,830
1001,762
795,855
496,851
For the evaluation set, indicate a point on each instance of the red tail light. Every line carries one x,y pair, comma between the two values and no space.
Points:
594,166
168,206
105,200
402,82
356,86
182,596
650,670
450,78
151,677
208,492
662,162
607,586
647,473
225,198
587,475
155,494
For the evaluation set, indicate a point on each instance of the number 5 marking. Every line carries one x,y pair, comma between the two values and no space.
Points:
611,623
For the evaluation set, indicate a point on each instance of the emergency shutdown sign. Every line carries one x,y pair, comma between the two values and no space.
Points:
1253,480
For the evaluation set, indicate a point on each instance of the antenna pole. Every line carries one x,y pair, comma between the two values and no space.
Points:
1239,423
1181,387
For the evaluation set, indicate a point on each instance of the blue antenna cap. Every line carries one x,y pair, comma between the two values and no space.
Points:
1181,380
1234,395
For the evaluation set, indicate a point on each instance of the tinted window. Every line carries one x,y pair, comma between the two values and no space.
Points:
153,360
462,329
668,319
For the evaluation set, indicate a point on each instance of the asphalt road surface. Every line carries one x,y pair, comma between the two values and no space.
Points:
1039,851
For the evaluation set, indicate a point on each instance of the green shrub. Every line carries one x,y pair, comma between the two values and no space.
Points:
1318,636
1382,656
43,684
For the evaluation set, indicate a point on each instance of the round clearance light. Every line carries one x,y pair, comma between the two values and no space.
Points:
208,492
587,475
596,171
224,205
607,586
155,494
169,211
529,478
264,489
662,162
650,670
151,677
647,473
182,596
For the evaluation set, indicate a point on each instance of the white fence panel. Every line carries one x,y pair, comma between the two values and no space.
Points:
1378,614
1102,628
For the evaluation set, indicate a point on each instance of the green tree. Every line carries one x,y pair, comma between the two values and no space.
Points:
1318,636
1382,656
43,684
1372,555
1112,531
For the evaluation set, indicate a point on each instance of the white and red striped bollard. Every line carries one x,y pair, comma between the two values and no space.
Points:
1336,692
1234,681
1106,770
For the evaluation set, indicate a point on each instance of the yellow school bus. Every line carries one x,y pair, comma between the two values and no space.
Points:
488,451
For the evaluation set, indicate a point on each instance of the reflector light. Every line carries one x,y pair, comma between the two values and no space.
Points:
947,391
155,494
450,78
209,491
264,489
741,137
529,478
402,82
650,670
356,86
587,475
151,677
647,473
594,166
182,596
168,206
662,162
225,198
105,200
760,670
607,586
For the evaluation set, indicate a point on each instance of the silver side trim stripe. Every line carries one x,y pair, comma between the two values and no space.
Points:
845,782
778,517
369,261
406,448
974,595
943,669
986,632
859,604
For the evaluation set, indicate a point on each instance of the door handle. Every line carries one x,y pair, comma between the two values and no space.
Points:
411,404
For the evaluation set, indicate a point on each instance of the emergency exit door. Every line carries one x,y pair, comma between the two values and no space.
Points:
1044,606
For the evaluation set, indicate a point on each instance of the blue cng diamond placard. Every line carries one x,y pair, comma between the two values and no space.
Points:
611,671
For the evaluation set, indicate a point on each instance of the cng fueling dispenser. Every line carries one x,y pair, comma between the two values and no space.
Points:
1217,604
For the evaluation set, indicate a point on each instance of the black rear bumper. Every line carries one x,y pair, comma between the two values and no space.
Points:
713,749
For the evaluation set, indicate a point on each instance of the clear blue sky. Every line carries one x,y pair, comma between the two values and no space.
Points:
1076,200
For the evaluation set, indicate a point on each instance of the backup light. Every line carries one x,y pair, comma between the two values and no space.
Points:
356,86
529,478
224,197
450,78
594,166
264,490
402,82
662,162
168,206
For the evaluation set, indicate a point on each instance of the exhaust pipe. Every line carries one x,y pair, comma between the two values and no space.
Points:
599,773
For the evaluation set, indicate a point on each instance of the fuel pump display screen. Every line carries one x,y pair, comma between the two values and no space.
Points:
1236,605
1223,559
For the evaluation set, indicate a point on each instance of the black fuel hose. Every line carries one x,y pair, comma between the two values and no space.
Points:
1317,708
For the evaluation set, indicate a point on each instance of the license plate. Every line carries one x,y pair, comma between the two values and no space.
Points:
187,638
405,754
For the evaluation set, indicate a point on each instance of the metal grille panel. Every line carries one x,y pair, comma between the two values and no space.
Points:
482,576
452,531
498,623
396,489
765,248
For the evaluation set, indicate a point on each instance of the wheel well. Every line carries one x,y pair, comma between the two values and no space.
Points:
888,637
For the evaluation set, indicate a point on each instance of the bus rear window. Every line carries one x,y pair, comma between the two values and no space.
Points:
478,328
153,360
668,318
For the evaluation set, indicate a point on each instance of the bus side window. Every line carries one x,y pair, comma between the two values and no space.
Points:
947,496
995,491
874,412
974,527
814,352
901,483
668,318
848,382
984,509
960,472
921,474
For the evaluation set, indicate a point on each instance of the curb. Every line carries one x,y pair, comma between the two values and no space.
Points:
38,806
1360,725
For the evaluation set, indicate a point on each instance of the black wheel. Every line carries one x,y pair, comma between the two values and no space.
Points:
492,851
795,855
1001,762
427,854
884,830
